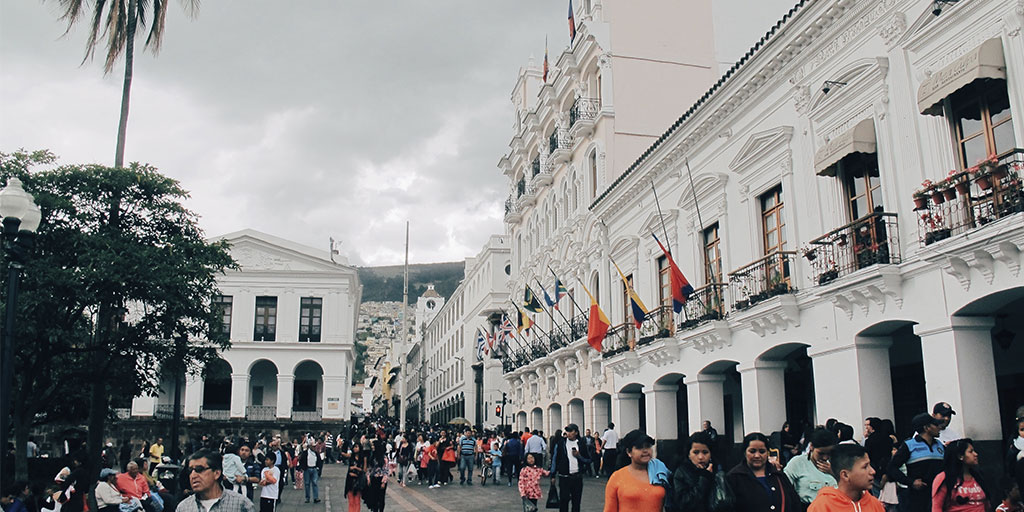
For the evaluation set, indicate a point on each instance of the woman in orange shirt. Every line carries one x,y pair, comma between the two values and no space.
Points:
629,489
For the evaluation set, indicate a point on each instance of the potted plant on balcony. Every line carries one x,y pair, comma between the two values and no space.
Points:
830,274
959,182
935,229
921,195
937,196
985,170
743,303
950,187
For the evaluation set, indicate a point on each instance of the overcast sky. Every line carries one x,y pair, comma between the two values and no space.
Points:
312,118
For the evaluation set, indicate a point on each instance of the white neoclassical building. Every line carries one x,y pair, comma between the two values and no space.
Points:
830,282
291,313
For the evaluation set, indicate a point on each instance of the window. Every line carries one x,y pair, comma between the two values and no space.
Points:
310,311
859,172
664,282
593,174
222,305
981,121
772,223
266,319
627,312
712,255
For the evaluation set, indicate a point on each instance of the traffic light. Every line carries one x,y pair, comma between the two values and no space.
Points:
497,410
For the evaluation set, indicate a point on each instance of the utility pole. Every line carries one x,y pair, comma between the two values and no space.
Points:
404,338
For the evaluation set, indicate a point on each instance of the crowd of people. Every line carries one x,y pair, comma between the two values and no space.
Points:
821,469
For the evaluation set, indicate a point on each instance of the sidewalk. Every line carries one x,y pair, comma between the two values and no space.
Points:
415,498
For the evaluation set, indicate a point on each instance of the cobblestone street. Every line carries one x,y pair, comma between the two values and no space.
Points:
453,497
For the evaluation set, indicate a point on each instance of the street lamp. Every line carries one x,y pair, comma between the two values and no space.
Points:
21,218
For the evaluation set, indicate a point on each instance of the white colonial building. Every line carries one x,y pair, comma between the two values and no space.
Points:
823,289
290,312
447,373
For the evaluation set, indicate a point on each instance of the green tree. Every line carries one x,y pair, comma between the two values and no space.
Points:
116,23
114,243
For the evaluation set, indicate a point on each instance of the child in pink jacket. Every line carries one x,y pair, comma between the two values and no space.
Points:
529,483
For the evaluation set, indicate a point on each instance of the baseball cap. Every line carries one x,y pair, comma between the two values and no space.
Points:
922,420
106,472
943,408
572,428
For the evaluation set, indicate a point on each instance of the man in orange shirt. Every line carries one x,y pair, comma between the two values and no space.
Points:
854,476
133,485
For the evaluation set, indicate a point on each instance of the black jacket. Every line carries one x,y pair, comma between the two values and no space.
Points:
303,461
698,490
560,457
751,496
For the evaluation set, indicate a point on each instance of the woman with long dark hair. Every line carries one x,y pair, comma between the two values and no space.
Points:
756,484
960,486
698,484
377,477
355,481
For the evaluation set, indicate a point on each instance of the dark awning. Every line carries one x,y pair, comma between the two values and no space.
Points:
859,139
985,61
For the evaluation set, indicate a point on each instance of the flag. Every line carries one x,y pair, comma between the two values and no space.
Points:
545,59
681,288
507,328
597,324
481,345
635,304
490,342
572,24
524,321
547,298
530,302
559,291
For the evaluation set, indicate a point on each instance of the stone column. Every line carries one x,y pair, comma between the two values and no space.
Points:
143,406
285,390
705,396
858,372
628,417
193,395
764,396
333,399
959,368
662,416
239,394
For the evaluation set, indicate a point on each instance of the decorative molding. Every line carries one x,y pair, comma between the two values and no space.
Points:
893,29
777,317
718,337
760,146
669,352
959,269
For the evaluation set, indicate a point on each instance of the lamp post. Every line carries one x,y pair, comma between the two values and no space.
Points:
21,218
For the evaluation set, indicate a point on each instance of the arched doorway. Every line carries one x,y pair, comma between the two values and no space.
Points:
308,391
632,408
602,406
521,420
554,419
262,403
216,399
536,419
718,390
796,375
576,414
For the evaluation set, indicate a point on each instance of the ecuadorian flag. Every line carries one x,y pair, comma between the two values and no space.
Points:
681,288
635,304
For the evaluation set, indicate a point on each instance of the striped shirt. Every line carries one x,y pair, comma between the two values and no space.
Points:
467,445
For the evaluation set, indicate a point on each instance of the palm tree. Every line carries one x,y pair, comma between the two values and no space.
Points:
115,22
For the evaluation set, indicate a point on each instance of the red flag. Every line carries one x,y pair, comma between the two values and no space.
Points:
597,324
681,288
572,24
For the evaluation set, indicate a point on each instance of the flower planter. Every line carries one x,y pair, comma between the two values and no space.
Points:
949,194
999,172
920,203
984,182
937,197
963,188
828,276
742,304
934,236
811,255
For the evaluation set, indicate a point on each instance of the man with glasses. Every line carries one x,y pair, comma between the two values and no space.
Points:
205,473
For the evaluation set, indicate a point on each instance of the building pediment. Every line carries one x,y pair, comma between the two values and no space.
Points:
257,252
761,145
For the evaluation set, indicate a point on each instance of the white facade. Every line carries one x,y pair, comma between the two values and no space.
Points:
892,309
292,316
448,353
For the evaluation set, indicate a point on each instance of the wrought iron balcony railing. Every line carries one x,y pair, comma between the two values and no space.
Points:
166,411
525,349
261,412
558,141
535,167
970,200
218,414
705,304
762,279
625,336
315,415
869,240
584,109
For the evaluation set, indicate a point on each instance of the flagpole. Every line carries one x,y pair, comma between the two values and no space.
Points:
534,325
696,206
573,299
405,336
668,243
550,314
522,346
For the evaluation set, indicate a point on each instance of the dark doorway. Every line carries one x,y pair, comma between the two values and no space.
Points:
304,396
909,396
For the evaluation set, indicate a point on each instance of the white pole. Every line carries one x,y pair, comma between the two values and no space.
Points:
404,338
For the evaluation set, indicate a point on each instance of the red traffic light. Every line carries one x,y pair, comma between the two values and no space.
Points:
497,410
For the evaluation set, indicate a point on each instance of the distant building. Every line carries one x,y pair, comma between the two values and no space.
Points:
291,315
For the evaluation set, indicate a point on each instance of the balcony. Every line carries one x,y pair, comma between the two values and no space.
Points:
869,240
528,349
166,411
762,279
545,174
314,415
559,146
625,337
219,414
705,304
583,116
512,212
261,413
528,195
970,200
534,168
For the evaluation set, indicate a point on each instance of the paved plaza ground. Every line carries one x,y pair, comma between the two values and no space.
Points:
452,497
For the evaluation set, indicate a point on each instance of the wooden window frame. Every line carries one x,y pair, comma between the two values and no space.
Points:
311,319
268,317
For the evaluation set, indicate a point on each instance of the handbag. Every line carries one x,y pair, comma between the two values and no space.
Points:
552,497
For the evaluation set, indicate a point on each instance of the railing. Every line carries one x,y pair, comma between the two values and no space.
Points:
535,167
617,339
214,414
307,415
261,412
973,200
559,140
166,411
122,413
762,279
526,349
705,304
625,336
520,187
584,109
869,240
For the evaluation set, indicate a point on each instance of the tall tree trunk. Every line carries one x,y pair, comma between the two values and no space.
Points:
22,423
126,90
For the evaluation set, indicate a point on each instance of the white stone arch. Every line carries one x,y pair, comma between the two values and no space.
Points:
847,74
